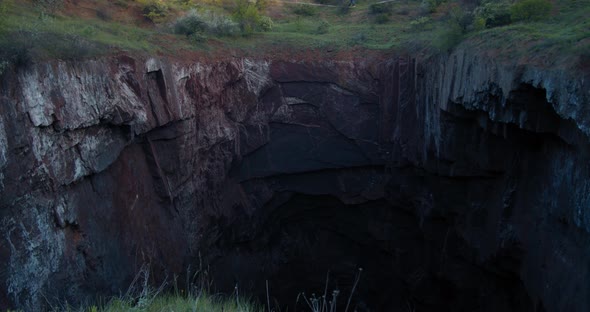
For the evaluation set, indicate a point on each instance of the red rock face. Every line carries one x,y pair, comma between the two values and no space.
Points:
439,178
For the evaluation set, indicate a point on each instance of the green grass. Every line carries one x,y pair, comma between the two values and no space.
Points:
554,40
565,33
180,303
167,303
54,36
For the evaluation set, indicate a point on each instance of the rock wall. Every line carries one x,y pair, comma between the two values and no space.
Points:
458,169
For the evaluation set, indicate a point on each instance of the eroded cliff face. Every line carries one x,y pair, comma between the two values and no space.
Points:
457,183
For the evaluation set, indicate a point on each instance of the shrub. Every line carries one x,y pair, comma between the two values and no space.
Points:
450,37
404,10
103,14
15,48
461,17
527,10
154,10
121,3
71,47
189,24
249,19
197,37
196,24
494,13
265,23
358,38
381,8
479,24
382,18
429,6
305,10
261,5
323,27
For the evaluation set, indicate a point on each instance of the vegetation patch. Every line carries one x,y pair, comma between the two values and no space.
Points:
529,10
167,26
206,22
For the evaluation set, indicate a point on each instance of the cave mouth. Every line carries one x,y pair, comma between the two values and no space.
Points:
432,225
308,244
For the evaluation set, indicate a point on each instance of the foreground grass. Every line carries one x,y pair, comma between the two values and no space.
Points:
171,302
178,303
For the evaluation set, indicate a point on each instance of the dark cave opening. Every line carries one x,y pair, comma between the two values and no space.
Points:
407,264
431,234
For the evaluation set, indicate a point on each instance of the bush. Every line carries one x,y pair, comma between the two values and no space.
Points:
197,24
154,10
529,10
382,18
429,6
450,37
494,13
249,19
261,5
103,14
15,48
358,38
461,17
71,47
305,10
479,24
189,24
381,8
265,23
197,37
323,27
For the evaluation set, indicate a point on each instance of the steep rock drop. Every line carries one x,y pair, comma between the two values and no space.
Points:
456,183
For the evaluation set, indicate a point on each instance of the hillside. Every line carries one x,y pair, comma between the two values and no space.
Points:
531,30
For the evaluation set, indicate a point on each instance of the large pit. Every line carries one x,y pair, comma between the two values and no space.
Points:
288,174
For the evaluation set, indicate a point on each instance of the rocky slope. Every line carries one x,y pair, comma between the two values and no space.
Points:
457,182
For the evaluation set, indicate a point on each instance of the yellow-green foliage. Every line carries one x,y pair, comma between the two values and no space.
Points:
200,303
265,23
155,10
479,23
248,16
528,10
